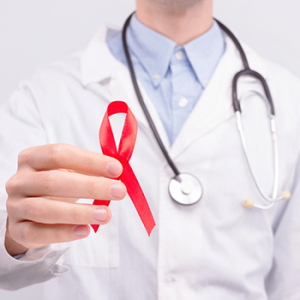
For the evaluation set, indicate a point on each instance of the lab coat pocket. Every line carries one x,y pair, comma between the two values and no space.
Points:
99,250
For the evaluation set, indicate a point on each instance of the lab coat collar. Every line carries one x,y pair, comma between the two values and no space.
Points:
97,64
215,105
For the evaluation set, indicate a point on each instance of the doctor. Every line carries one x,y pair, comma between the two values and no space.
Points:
50,158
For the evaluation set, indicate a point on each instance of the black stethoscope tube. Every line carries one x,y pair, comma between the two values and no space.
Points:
141,100
236,104
246,72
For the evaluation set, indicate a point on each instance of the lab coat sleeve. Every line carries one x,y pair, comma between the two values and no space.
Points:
21,127
283,281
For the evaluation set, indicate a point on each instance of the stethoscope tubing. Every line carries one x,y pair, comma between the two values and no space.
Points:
236,106
142,102
276,161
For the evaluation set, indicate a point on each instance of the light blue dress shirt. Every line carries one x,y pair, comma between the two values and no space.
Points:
174,77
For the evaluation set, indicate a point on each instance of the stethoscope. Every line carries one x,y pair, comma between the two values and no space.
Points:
185,188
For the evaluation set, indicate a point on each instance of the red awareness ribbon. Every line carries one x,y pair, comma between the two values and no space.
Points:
126,146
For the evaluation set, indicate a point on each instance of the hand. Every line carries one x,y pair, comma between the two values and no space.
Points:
42,194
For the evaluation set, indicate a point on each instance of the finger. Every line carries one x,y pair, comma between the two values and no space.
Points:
56,156
47,211
65,199
33,235
71,185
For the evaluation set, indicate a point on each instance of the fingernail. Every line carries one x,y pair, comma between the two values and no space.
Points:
117,190
100,214
114,168
80,230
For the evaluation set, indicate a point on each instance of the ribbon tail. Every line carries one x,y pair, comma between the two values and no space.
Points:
99,202
138,198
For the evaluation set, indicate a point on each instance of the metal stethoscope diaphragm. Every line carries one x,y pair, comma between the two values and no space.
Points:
185,188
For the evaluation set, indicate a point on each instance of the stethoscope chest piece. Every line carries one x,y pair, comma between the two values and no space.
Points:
185,189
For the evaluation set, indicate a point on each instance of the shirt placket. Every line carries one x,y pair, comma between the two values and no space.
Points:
186,90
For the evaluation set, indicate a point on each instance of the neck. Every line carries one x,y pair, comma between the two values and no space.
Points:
178,20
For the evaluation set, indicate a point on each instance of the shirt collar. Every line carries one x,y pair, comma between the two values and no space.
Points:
98,63
205,52
152,49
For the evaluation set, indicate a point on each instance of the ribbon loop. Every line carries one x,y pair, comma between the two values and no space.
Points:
126,146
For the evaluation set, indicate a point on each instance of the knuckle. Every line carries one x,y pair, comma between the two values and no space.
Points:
10,207
33,210
49,181
57,153
24,156
90,163
13,231
76,215
27,233
13,185
59,234
92,187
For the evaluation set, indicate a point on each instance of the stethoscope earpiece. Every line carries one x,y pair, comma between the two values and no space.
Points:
286,195
248,203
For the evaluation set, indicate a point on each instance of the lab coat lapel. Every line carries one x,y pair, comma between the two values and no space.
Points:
98,66
215,105
121,88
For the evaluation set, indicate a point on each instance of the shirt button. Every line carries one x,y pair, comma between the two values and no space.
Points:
179,55
183,102
156,77
205,82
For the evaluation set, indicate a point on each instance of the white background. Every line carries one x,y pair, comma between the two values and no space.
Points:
34,32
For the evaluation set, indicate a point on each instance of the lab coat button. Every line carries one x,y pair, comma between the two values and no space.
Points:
183,102
170,279
179,55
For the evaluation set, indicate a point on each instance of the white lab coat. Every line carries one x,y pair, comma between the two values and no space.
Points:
215,249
